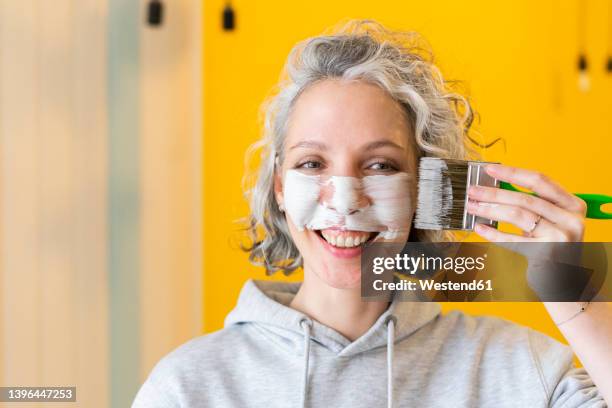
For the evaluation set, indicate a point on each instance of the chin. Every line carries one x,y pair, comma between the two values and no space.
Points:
339,275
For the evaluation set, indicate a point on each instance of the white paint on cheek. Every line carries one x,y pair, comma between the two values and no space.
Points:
373,203
392,201
301,196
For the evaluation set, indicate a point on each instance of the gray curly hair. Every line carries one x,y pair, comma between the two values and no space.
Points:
397,61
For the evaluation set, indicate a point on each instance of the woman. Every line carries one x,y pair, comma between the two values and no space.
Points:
357,107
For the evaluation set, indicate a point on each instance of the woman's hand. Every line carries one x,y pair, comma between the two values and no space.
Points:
555,215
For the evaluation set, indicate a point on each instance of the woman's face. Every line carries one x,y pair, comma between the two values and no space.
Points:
348,129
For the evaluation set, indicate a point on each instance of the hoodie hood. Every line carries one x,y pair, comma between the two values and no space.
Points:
266,304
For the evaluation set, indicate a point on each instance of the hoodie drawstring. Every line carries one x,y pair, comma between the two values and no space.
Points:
390,342
306,325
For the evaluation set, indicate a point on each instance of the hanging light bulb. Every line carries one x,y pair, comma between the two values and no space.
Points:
584,81
229,17
155,13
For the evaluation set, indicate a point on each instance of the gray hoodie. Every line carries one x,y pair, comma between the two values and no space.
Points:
269,355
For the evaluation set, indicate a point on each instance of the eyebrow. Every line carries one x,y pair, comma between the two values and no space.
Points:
310,144
382,143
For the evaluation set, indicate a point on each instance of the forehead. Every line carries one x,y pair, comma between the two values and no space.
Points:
339,112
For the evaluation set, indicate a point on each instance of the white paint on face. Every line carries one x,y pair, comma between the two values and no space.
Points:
378,203
345,194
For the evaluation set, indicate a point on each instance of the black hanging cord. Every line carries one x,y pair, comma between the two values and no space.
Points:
582,64
609,52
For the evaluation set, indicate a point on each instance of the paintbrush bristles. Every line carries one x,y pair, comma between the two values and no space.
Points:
441,194
442,198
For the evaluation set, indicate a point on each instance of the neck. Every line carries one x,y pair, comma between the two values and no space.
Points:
341,309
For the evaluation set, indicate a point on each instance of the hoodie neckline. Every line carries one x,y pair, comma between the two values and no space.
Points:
265,304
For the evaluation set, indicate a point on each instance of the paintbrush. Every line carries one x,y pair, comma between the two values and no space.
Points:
442,195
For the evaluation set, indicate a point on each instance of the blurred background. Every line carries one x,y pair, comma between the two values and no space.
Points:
123,128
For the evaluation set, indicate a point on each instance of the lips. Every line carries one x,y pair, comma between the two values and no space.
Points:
345,239
344,243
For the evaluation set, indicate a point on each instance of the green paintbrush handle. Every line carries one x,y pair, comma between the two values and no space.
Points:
593,202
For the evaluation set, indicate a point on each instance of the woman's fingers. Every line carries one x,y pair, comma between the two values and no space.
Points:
553,215
533,224
529,202
540,184
495,235
520,217
567,225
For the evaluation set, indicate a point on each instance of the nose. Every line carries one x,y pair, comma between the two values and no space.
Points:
345,195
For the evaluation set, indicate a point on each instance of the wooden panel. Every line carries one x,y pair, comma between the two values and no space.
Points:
57,199
75,120
20,172
170,181
124,223
90,219
53,292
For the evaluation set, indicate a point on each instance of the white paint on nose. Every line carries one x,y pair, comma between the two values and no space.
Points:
347,193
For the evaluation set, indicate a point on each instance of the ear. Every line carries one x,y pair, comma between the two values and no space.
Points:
278,188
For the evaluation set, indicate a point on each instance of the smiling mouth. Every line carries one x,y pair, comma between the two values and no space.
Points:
346,239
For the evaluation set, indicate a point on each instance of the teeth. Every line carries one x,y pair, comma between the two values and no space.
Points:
340,241
343,241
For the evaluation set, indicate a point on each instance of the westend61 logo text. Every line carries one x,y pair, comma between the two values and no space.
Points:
410,264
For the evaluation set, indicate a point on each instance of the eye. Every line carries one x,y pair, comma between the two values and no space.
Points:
309,165
382,166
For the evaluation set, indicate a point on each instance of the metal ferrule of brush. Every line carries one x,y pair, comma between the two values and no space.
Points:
476,176
442,193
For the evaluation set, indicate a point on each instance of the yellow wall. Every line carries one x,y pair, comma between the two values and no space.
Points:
518,59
